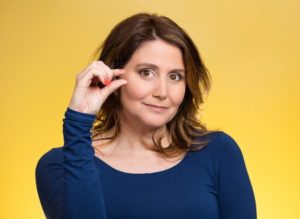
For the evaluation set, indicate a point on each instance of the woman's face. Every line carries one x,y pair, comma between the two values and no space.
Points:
155,84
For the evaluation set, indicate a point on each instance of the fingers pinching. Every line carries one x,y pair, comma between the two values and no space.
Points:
86,96
114,85
115,77
106,73
99,74
94,73
109,75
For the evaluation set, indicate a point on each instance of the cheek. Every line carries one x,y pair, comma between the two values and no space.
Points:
135,89
177,95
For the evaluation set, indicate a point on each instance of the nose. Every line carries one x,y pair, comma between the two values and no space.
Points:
160,90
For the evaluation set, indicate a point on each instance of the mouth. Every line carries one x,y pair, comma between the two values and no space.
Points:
156,108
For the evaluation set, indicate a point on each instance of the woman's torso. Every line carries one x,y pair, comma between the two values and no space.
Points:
182,188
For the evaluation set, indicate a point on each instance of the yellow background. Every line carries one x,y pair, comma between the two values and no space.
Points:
251,48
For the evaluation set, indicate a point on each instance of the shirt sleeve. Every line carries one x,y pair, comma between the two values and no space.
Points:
235,193
69,186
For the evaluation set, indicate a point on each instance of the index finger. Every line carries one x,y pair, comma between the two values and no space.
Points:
117,72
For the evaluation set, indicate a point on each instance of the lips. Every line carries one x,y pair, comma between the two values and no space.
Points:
152,105
156,108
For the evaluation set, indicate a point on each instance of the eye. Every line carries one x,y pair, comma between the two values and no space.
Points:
176,76
147,73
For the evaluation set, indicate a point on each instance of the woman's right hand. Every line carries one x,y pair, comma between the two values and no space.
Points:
88,97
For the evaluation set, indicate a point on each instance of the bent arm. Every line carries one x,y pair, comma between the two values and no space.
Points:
69,186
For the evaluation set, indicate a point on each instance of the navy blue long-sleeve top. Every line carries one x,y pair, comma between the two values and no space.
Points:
211,183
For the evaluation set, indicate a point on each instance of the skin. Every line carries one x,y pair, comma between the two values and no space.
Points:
152,87
155,76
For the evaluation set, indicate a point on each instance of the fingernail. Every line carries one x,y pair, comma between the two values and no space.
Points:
107,82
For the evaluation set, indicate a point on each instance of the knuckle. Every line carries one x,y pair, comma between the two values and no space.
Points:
98,63
78,76
93,64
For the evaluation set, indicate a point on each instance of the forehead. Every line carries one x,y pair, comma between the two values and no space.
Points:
159,53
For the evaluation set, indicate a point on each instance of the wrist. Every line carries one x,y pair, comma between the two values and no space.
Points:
83,117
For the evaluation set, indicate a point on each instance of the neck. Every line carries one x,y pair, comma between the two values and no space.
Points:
133,136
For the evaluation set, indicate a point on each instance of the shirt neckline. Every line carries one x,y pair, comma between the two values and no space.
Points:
165,171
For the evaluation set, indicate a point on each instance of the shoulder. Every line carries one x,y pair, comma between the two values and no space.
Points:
222,141
49,160
53,155
218,139
221,144
48,176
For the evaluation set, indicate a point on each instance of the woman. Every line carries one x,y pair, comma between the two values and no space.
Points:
133,145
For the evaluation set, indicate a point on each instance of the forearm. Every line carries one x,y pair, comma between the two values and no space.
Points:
82,195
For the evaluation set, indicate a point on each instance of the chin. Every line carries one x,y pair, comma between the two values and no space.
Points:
157,122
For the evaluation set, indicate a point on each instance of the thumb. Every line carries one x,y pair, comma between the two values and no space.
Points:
110,88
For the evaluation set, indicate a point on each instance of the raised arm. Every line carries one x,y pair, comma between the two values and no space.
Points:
82,195
67,179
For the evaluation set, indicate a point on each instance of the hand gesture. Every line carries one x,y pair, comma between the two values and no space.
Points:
88,96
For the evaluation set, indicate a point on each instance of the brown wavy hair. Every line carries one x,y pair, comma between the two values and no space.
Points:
185,128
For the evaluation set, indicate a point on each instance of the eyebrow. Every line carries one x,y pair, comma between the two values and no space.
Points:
155,67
